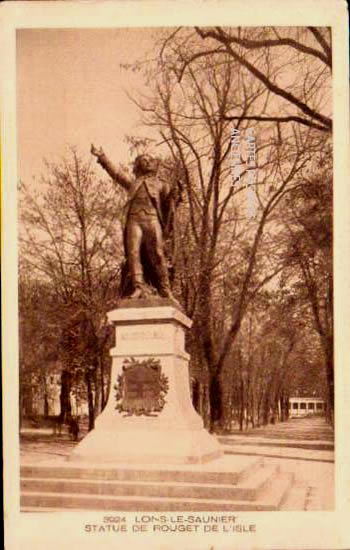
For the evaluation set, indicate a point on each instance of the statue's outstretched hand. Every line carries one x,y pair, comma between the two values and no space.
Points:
95,151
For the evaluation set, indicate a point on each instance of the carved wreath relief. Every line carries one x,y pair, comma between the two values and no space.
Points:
141,388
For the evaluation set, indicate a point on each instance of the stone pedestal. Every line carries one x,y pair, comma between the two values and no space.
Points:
149,417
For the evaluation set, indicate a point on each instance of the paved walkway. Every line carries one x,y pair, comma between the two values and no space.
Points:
307,428
304,446
304,434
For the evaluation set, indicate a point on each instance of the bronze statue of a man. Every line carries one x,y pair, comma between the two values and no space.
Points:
149,209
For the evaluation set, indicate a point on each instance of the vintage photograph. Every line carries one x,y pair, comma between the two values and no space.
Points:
175,270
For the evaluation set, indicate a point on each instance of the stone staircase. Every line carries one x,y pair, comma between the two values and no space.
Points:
226,484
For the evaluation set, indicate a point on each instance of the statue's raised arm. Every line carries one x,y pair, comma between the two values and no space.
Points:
115,174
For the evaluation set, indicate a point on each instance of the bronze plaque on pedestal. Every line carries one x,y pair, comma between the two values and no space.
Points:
141,388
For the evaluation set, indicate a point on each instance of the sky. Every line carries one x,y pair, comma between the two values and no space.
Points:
72,91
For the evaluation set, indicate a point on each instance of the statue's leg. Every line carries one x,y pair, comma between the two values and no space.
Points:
133,249
155,250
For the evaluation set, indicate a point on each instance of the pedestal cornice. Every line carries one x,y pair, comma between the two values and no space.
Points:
139,315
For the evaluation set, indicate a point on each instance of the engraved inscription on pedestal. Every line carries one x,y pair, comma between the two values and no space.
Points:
131,339
141,388
145,334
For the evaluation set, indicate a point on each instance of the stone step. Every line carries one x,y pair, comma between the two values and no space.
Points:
249,489
220,471
269,499
277,492
288,443
296,499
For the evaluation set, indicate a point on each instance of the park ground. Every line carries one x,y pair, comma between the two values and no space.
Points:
304,446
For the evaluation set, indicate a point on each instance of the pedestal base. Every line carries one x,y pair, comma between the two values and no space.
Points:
149,417
148,447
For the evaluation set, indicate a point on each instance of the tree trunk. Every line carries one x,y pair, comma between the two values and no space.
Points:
215,399
206,407
284,408
98,396
266,411
252,413
102,384
287,408
46,405
259,412
241,405
330,386
329,366
90,401
66,409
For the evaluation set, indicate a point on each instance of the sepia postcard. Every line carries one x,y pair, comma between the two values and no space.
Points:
175,273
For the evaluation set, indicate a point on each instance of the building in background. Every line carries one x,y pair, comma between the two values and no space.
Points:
303,406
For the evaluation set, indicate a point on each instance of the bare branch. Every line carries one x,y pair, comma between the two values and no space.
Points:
277,90
321,40
298,119
270,43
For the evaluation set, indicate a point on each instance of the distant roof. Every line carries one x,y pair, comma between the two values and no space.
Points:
312,397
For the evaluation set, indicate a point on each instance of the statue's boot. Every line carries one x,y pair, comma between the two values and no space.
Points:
164,287
138,286
137,293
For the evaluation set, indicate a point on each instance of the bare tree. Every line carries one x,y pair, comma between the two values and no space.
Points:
70,239
191,106
308,233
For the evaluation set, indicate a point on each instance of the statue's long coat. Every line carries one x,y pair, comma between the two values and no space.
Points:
162,195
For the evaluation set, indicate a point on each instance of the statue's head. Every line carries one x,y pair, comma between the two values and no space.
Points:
145,164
